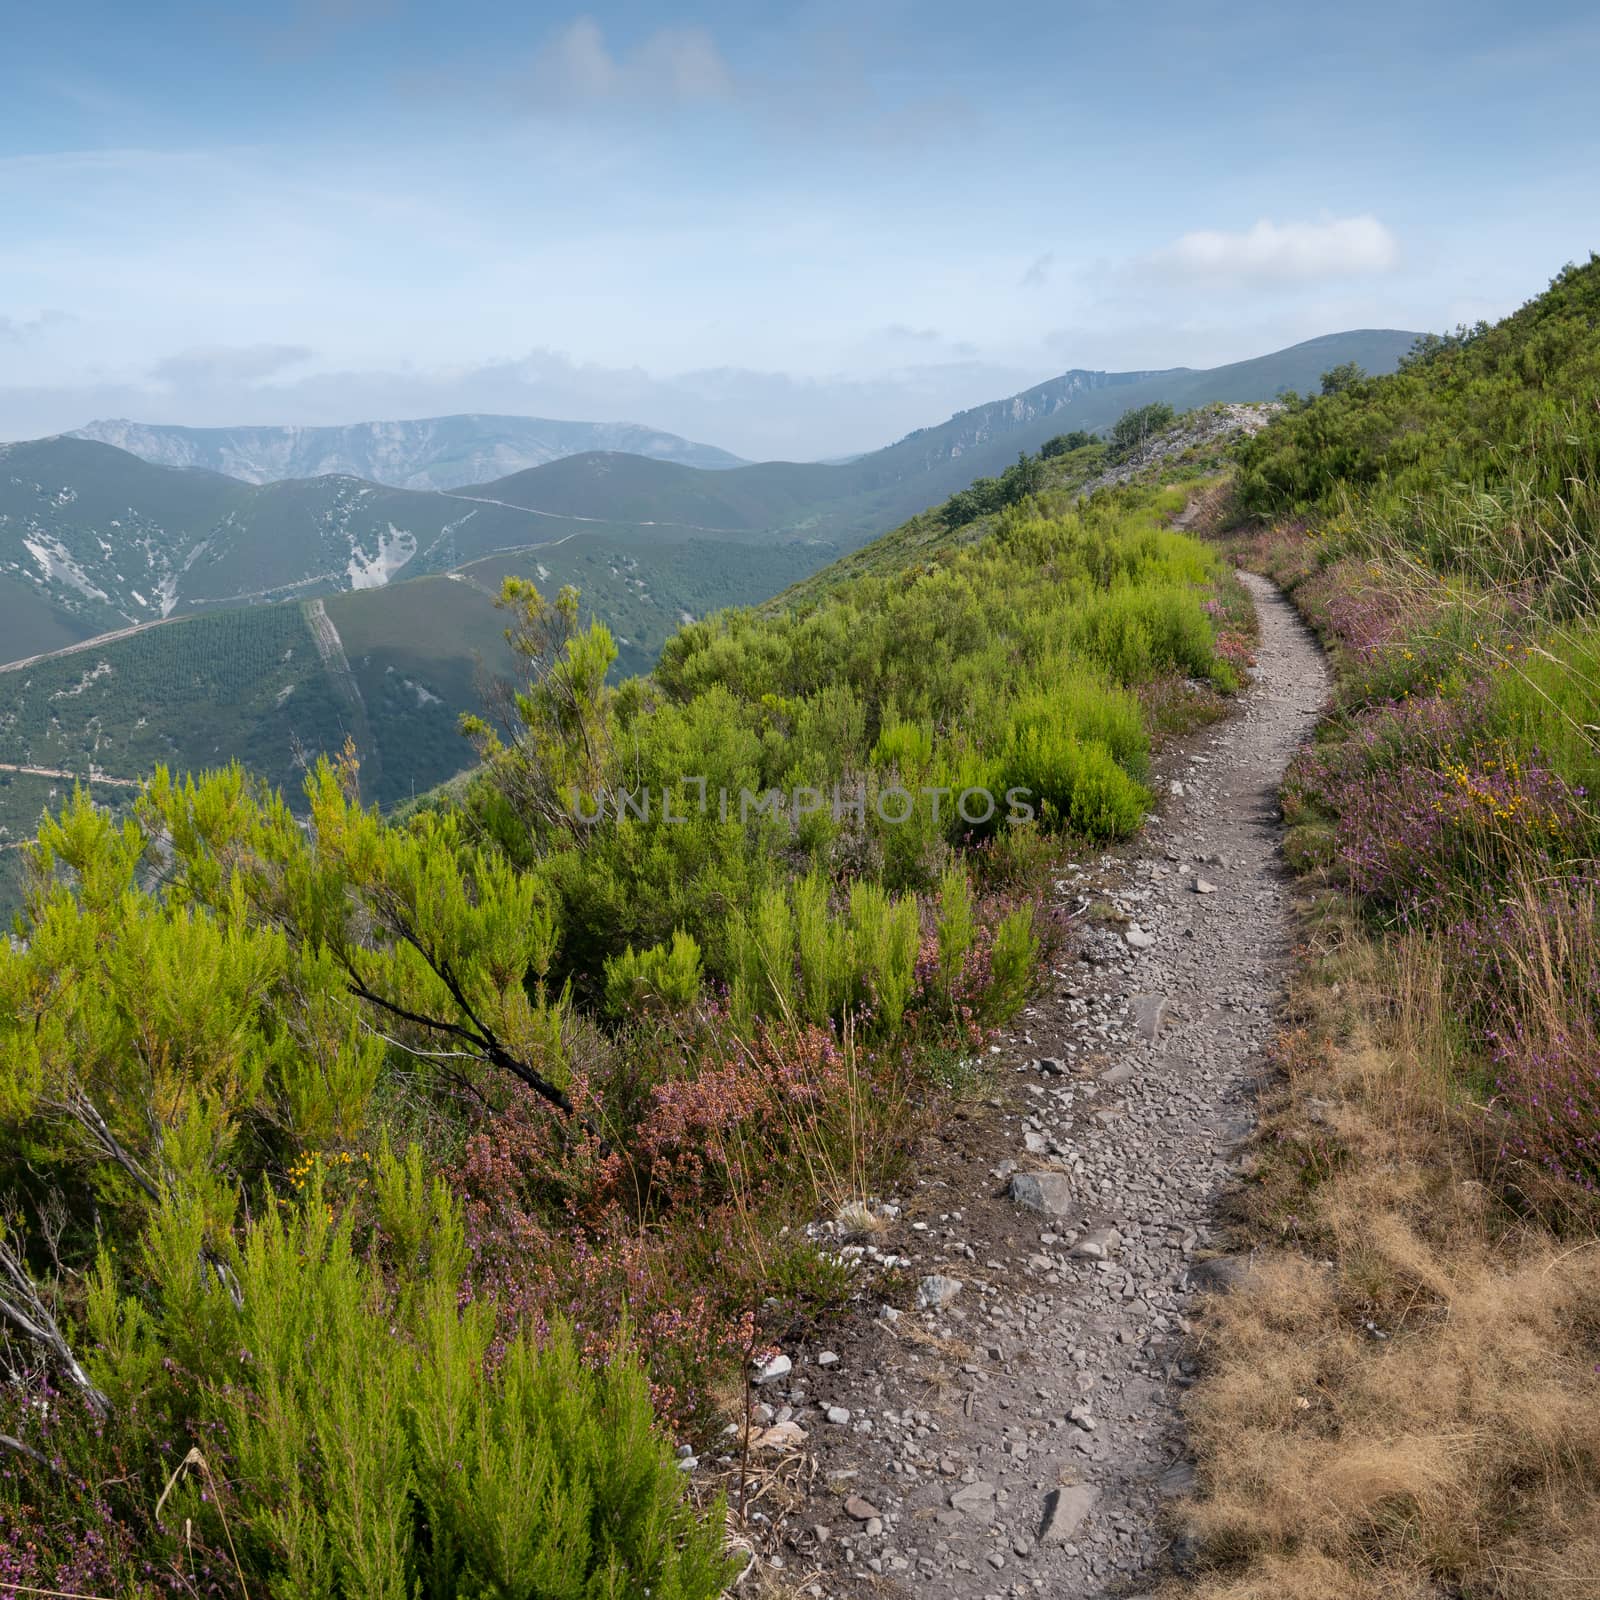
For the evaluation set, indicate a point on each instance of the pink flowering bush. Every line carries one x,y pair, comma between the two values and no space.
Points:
1432,798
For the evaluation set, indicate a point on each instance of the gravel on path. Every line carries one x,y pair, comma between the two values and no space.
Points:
1017,1431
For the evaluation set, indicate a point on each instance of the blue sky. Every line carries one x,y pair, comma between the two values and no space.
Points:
794,229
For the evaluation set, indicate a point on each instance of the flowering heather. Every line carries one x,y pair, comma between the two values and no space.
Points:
1448,818
1550,1087
669,1236
1537,956
59,1528
1366,615
1426,730
1430,841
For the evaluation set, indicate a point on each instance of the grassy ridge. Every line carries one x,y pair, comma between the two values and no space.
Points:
1405,1399
1481,455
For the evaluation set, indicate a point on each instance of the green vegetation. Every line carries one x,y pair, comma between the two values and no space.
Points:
404,1461
250,685
1433,1170
1458,506
1054,475
1024,477
1337,379
1482,455
1135,427
99,538
93,539
416,1186
1007,667
1064,444
196,691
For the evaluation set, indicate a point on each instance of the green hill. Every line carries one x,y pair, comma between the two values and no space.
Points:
94,539
1494,411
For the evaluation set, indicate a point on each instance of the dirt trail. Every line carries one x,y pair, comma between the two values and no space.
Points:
92,776
85,644
1023,1437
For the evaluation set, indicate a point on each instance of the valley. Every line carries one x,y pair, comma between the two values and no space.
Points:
159,613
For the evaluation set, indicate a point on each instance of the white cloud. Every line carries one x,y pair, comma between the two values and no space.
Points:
1336,247
676,65
229,363
14,331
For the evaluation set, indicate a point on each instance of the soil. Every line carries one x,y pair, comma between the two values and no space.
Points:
1025,1436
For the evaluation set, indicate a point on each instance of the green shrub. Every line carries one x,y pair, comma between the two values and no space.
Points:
1063,443
1089,710
1132,428
1012,961
1079,782
376,1449
957,927
884,938
823,945
665,977
552,1481
1139,632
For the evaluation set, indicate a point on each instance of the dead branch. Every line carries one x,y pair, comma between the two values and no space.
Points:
23,1307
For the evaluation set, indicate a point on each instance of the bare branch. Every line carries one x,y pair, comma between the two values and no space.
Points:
87,1115
22,1305
487,1047
9,1443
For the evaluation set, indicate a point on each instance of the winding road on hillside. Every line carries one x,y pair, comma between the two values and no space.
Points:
1019,1431
84,644
572,516
72,777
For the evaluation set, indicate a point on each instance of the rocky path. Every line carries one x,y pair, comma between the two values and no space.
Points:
1018,1431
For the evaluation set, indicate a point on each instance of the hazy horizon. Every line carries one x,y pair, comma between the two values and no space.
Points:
795,235
419,416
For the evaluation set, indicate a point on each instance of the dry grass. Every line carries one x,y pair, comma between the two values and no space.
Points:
1459,1453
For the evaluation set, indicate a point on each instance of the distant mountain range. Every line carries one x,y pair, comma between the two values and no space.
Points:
158,612
430,453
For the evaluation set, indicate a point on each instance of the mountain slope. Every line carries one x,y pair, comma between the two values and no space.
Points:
93,540
844,503
101,539
984,439
428,453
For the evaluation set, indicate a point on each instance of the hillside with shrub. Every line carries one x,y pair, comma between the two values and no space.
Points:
1406,1401
515,1104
